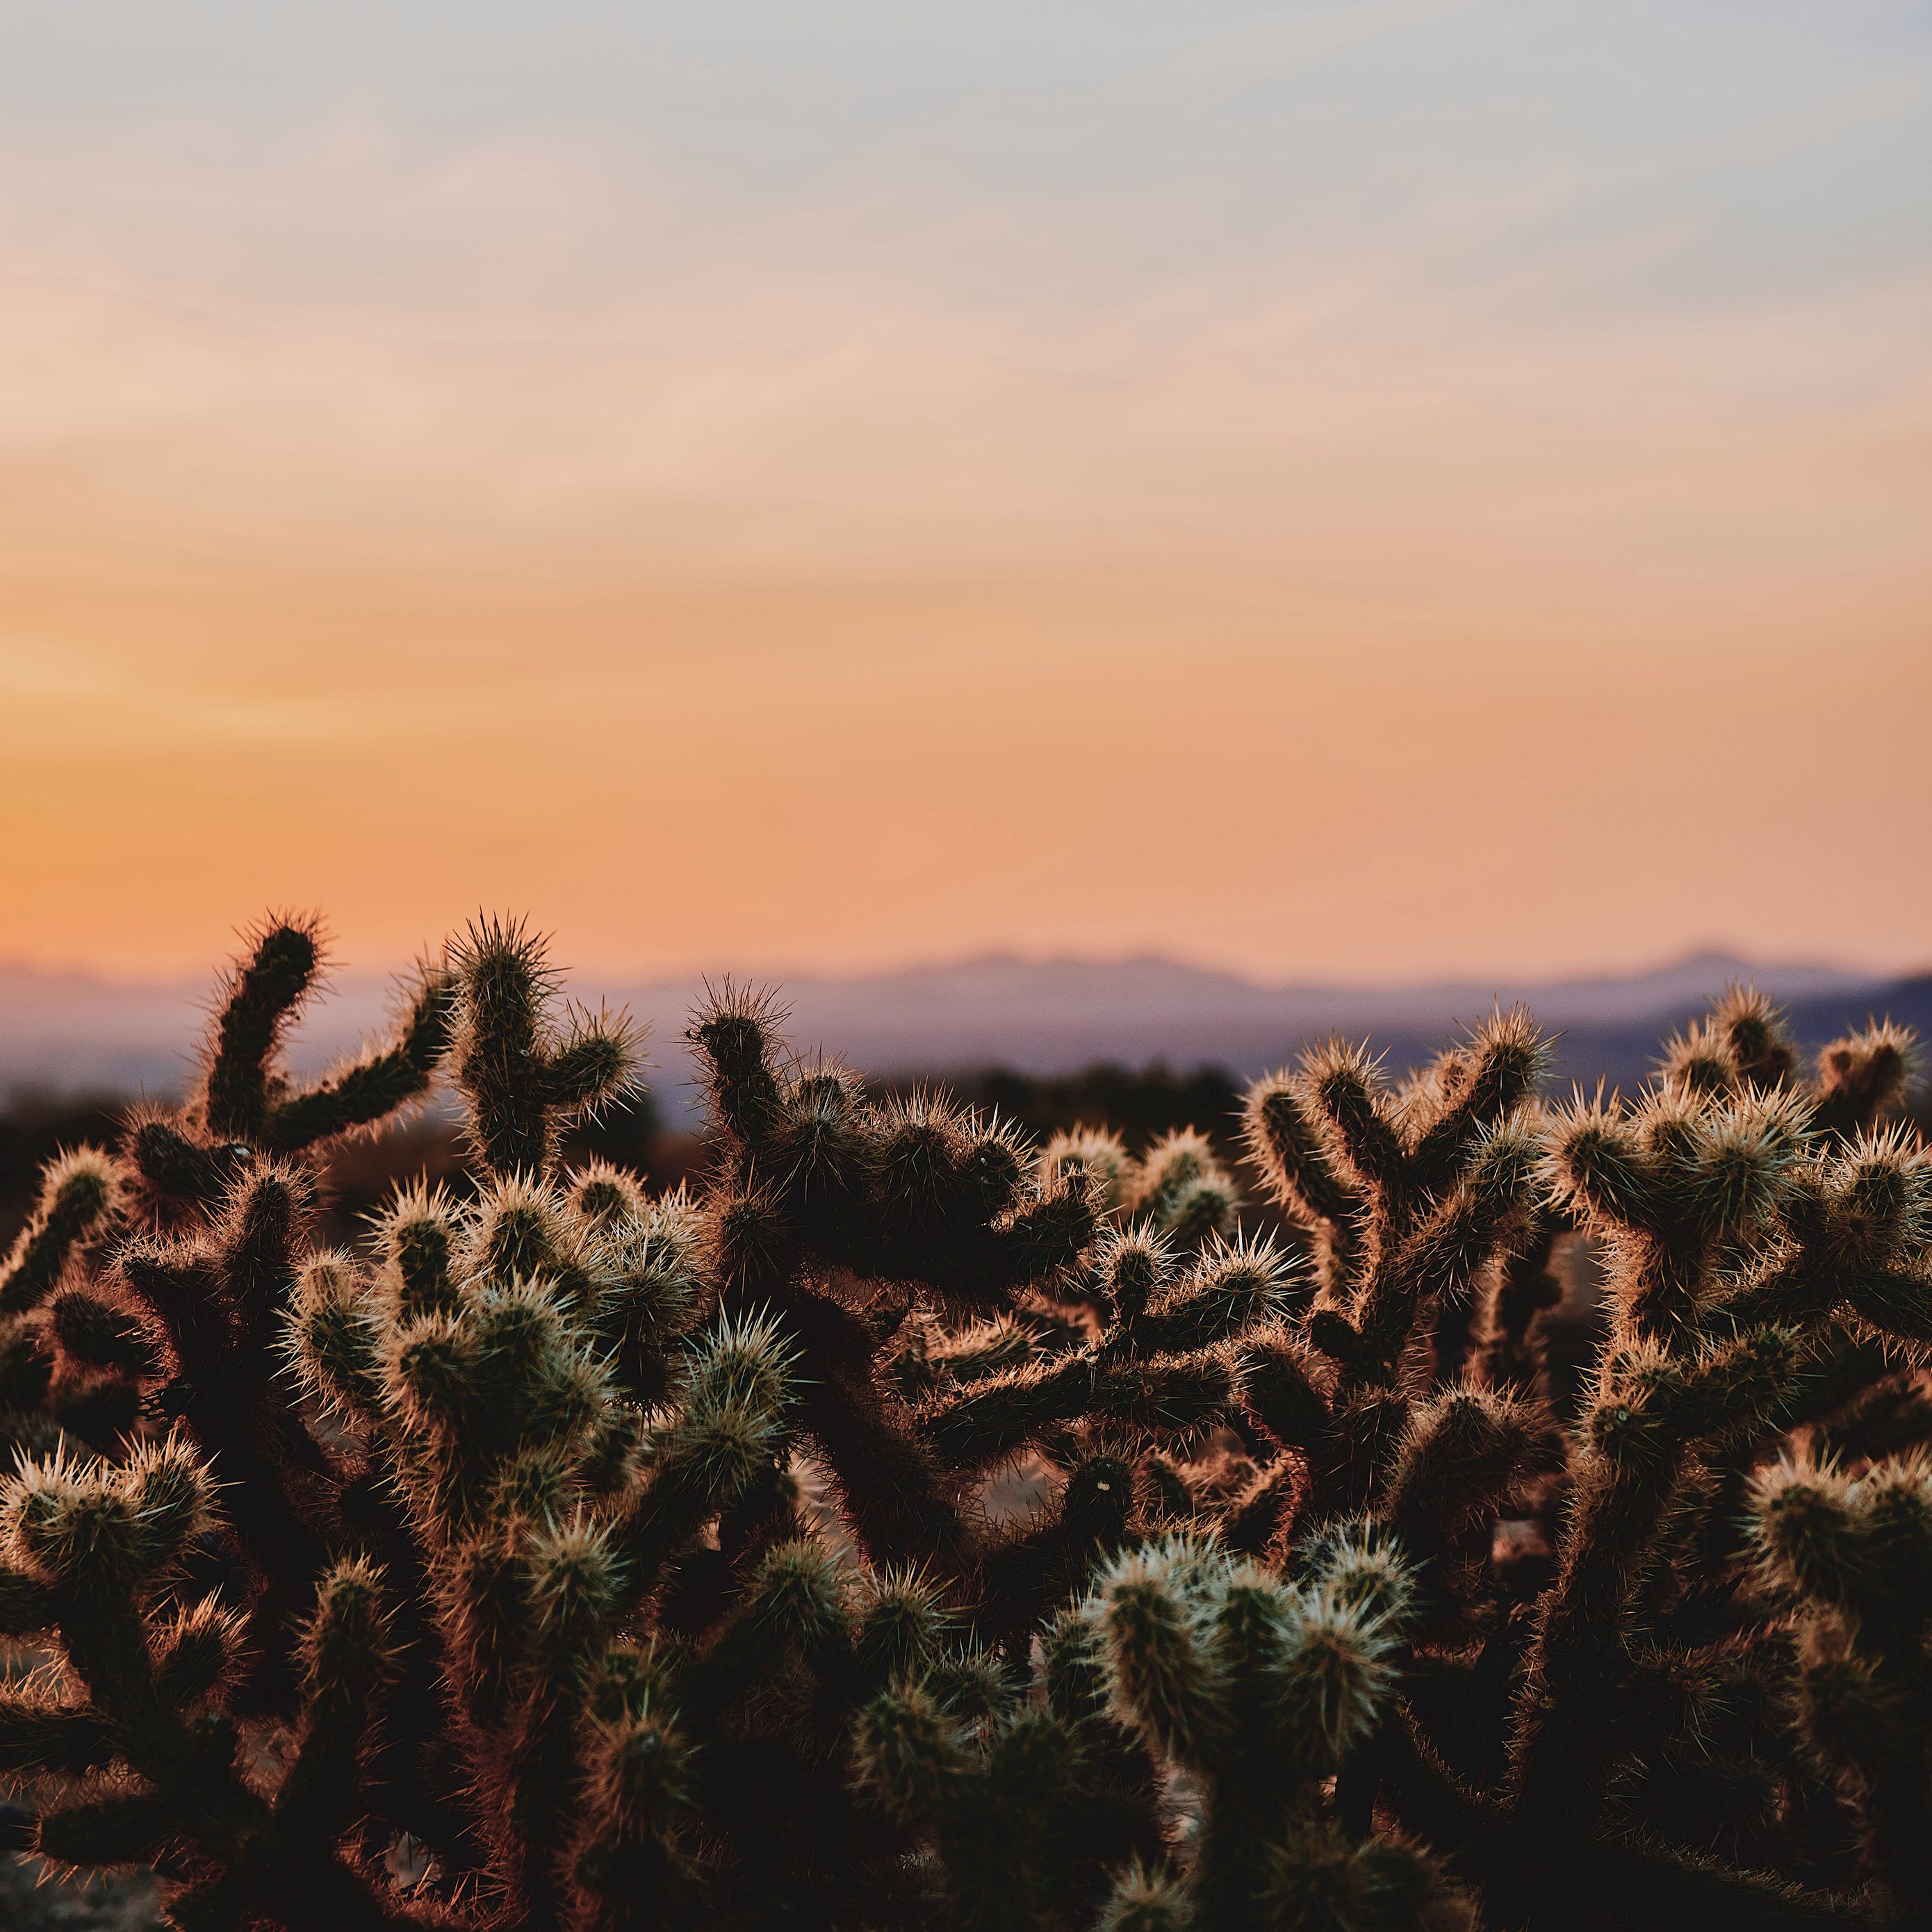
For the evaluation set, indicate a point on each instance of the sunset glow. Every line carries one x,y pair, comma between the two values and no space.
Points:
1331,491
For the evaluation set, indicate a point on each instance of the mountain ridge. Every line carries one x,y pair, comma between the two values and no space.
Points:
71,1032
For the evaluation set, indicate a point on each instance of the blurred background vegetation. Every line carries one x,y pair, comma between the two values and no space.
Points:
1143,1104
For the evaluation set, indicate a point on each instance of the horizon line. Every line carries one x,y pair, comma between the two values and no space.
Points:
336,974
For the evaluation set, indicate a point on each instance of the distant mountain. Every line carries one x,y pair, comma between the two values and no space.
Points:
1050,1015
70,1033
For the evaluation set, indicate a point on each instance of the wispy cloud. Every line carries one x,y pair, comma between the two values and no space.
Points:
728,422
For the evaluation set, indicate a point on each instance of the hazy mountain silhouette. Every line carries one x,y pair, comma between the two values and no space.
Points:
69,1033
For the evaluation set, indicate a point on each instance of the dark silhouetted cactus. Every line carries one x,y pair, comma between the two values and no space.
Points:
915,1528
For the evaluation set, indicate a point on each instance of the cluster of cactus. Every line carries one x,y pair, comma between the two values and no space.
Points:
919,1528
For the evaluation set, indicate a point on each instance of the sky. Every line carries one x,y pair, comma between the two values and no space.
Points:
1366,490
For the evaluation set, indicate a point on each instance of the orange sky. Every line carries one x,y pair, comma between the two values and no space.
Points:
1453,582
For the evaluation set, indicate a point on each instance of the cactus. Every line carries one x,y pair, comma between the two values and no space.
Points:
917,1527
1073,1337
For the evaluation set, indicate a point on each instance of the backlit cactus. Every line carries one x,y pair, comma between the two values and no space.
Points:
915,1527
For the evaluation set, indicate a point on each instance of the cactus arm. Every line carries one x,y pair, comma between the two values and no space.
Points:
259,999
375,1086
80,1196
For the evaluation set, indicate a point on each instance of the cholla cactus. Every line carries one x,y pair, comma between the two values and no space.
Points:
82,1199
1765,1243
1259,1691
1414,1201
221,1186
1247,1690
1607,1752
244,1104
870,1231
910,1529
454,1540
500,1563
1180,1187
1853,1556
